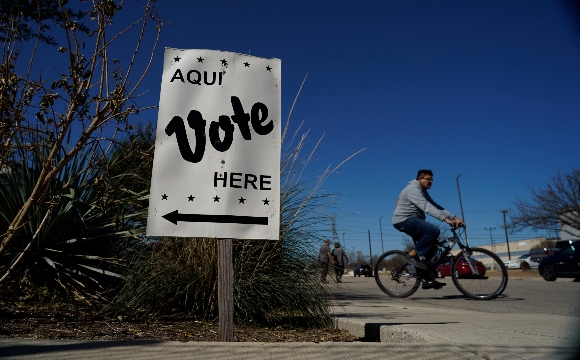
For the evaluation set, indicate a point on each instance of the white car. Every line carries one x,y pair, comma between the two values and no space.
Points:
524,262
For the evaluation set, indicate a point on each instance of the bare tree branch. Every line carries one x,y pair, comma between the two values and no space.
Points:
87,82
557,206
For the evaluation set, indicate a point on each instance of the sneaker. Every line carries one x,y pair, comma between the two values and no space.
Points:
414,260
433,284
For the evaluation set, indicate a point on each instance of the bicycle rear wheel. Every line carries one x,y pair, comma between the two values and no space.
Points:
394,276
485,279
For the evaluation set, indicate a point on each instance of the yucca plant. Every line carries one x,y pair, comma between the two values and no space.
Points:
71,243
125,176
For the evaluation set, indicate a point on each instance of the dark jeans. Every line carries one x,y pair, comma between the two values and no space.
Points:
338,270
424,236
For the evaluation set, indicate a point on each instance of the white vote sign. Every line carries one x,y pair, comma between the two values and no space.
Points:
216,171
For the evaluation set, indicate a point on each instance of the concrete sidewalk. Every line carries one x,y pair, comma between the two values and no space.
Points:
490,336
401,329
369,313
170,350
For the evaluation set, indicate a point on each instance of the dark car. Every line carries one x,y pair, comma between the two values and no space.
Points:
462,268
539,254
564,263
363,270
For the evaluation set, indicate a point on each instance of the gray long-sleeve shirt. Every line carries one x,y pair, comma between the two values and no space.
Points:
414,201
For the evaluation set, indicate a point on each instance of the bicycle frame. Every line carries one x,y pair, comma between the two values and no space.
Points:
443,258
464,248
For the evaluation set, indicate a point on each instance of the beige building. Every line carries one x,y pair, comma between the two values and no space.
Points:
569,233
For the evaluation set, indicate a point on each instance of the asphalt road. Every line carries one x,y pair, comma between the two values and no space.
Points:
530,296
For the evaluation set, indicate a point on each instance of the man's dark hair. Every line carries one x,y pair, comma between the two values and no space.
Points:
422,173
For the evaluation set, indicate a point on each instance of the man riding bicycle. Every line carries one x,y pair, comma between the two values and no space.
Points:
409,217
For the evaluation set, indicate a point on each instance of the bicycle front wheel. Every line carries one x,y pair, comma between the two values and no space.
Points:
479,274
394,276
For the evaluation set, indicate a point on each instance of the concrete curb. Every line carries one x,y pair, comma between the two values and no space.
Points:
398,336
382,333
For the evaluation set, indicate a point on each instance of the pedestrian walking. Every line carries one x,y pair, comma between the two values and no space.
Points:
324,259
339,261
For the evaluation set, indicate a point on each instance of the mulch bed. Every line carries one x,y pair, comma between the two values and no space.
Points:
25,320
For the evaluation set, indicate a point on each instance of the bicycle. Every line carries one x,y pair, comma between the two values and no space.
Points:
476,272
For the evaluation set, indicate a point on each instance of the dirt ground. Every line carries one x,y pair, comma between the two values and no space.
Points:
31,321
517,273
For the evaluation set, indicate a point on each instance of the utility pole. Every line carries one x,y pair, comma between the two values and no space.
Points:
381,227
344,245
461,207
506,234
370,250
491,238
333,230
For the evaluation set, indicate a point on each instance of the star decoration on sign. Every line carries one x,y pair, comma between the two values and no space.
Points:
246,64
266,202
241,200
224,62
269,68
164,197
177,58
216,199
200,59
190,198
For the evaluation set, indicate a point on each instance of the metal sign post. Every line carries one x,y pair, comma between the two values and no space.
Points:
216,169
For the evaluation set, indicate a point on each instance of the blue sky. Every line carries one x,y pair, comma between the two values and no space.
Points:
486,89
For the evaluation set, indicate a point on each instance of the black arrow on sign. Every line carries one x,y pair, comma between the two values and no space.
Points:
175,216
